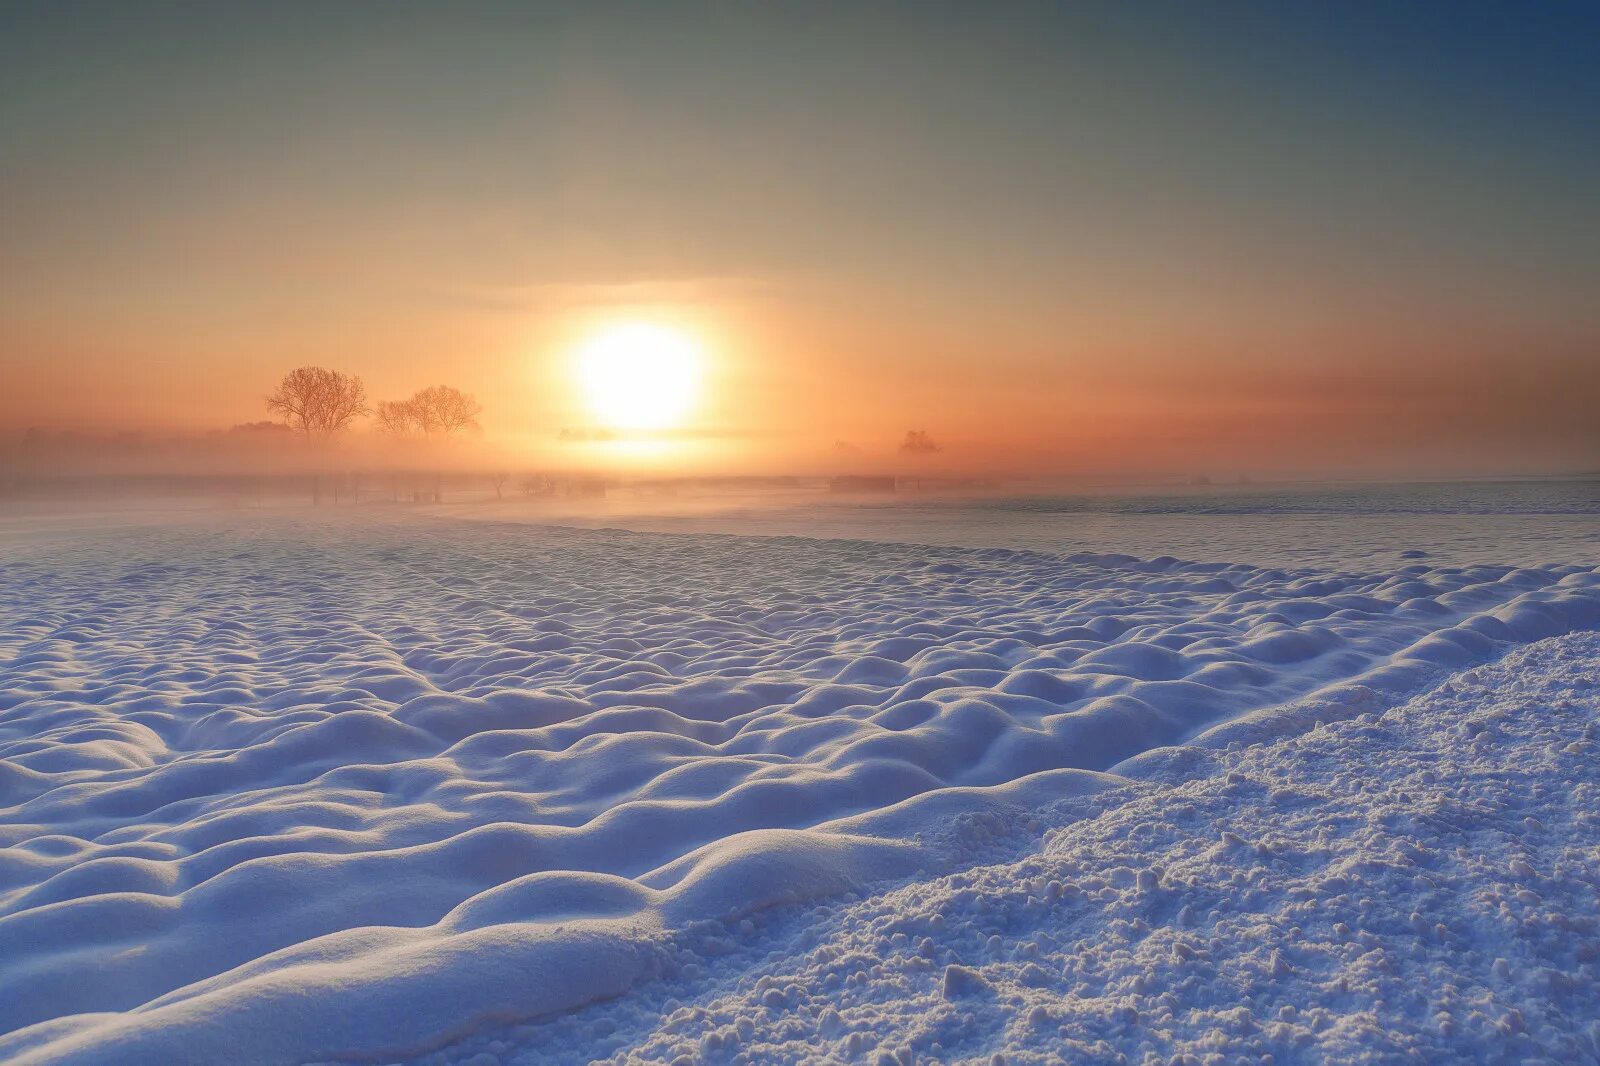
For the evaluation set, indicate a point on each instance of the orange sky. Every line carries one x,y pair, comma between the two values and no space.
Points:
1063,242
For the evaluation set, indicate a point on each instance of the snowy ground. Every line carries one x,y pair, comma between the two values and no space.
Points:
1420,885
337,786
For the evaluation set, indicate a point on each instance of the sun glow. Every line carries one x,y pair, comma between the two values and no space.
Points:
639,376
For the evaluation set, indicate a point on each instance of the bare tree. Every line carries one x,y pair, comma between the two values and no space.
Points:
314,400
436,412
498,480
396,417
441,411
318,403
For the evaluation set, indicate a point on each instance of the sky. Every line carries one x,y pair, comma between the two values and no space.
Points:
1061,238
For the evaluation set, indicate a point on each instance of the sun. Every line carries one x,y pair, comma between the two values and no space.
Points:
639,376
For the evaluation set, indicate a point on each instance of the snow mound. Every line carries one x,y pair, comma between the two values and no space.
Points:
317,789
1416,885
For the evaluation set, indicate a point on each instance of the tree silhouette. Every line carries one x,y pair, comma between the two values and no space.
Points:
441,410
318,403
917,442
396,417
313,400
436,412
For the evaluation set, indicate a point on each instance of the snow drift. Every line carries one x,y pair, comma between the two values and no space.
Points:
277,790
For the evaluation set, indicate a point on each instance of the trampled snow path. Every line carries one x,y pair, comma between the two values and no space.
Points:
274,791
1418,885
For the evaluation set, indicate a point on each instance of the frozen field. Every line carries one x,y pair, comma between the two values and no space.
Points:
284,787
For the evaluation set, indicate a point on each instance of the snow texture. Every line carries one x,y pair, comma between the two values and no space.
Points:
1421,885
277,790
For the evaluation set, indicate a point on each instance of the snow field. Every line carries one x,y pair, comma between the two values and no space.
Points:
277,790
1417,885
